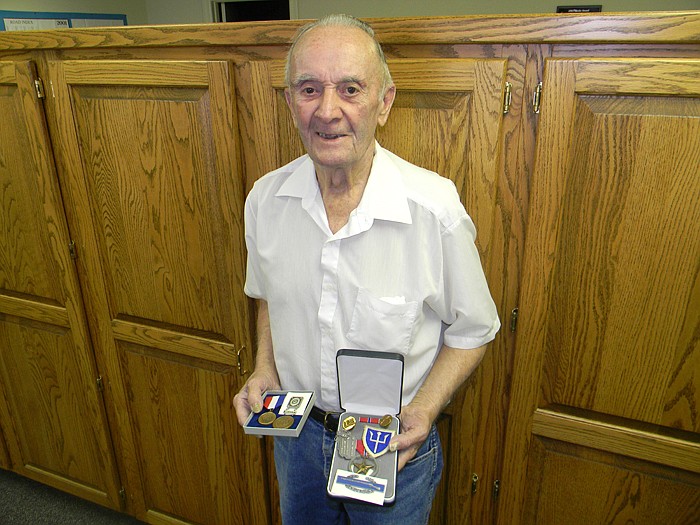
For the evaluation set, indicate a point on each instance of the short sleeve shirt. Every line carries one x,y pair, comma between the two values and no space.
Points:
403,275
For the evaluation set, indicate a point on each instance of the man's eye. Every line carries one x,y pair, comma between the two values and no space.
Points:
352,90
308,90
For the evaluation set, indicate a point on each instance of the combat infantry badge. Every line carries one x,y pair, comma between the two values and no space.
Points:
376,440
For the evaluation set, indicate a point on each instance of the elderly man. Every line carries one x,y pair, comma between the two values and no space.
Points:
351,246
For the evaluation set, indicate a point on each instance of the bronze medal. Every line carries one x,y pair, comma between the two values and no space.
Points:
267,418
364,465
283,422
385,421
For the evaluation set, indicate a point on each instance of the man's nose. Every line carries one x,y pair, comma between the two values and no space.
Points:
329,105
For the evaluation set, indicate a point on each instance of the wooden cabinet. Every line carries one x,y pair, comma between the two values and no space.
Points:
149,161
584,409
4,455
602,427
53,417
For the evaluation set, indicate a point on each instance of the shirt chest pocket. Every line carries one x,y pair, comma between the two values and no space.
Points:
385,324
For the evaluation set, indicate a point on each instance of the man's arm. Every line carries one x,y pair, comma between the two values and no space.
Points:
451,369
264,377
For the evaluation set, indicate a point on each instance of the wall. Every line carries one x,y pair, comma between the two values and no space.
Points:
180,11
392,8
135,10
195,11
140,12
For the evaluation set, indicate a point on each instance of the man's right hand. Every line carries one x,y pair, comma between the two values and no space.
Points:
249,399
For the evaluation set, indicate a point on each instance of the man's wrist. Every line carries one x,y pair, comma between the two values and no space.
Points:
423,404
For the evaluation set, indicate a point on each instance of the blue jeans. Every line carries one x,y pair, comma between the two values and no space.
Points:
303,466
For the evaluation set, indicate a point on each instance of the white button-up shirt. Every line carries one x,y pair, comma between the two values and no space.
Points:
402,275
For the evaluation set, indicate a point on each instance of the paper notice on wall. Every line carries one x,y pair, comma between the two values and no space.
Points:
27,24
34,20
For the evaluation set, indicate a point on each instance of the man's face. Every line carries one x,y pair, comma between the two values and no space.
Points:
335,96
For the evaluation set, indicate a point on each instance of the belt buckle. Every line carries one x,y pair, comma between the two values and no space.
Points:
327,425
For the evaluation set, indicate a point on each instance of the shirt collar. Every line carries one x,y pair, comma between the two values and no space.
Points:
301,183
384,197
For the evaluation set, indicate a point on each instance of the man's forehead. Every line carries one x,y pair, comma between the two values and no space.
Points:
333,38
336,54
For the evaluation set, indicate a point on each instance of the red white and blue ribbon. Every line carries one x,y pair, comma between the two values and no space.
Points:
271,402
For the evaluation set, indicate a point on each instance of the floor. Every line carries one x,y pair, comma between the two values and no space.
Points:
26,502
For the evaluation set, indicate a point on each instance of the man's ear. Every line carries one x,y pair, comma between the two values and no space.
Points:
387,102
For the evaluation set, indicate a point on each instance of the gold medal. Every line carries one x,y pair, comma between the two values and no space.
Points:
283,422
385,421
267,418
349,423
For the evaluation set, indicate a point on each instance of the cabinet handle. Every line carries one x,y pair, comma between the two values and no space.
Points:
239,364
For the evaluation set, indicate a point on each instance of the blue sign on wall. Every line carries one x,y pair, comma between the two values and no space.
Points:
28,20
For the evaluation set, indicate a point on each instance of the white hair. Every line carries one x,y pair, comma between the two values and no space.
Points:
340,20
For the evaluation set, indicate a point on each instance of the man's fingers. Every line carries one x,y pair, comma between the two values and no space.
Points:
255,396
249,398
407,455
403,441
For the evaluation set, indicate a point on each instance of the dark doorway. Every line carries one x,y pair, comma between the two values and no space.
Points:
252,10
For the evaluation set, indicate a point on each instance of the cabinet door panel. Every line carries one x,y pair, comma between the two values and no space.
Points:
153,173
607,351
447,117
52,414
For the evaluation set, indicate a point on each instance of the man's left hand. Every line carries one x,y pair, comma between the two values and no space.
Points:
416,422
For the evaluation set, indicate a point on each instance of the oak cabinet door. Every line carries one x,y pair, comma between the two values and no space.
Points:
152,170
52,413
603,425
447,117
4,454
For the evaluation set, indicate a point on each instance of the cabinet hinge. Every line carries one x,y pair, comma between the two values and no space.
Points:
122,496
100,384
496,488
507,97
536,98
514,319
475,481
39,87
72,250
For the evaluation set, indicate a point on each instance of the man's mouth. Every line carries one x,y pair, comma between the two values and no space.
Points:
329,136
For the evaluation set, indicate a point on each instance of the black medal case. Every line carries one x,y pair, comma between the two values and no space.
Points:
370,385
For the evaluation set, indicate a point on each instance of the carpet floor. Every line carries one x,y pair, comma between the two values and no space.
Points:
26,502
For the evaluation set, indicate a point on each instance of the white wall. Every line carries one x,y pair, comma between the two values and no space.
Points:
140,12
179,11
393,8
135,10
196,11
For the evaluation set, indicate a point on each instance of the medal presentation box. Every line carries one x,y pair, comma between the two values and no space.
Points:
370,385
283,414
